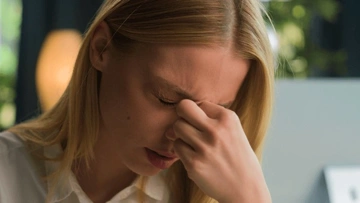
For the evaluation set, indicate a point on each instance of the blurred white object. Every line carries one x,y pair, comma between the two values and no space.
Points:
274,40
343,183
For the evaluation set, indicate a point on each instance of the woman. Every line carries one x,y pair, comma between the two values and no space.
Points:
169,102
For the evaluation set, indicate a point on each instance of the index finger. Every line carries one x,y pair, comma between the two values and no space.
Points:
192,113
212,110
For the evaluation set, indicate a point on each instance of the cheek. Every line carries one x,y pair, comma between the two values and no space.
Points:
148,119
130,110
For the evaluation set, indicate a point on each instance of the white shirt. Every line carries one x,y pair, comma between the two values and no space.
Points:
20,179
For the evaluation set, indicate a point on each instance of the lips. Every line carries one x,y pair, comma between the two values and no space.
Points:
161,160
166,154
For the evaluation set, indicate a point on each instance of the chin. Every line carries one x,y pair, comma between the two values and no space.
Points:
147,170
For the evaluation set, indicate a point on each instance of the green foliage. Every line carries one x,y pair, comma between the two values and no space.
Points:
297,52
10,19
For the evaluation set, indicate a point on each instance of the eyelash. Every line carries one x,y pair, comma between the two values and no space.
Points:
166,103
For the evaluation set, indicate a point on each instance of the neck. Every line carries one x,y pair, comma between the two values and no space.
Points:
104,179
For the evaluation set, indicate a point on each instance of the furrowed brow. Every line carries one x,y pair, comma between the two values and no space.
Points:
170,86
181,92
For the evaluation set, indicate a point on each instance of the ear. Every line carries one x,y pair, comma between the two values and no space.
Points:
100,47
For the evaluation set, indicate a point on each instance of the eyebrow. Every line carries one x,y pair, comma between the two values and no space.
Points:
182,93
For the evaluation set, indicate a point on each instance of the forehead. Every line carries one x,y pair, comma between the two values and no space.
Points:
205,73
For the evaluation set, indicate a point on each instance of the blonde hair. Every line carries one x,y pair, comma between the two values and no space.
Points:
199,22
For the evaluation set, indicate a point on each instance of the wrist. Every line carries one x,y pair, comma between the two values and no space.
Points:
254,195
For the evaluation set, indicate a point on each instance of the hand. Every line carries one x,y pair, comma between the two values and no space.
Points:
213,147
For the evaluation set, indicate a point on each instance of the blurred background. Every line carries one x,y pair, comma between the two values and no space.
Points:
10,22
316,118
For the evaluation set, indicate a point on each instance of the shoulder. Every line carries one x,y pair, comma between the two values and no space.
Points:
9,142
13,153
19,176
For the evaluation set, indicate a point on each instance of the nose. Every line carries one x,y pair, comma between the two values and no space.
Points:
169,132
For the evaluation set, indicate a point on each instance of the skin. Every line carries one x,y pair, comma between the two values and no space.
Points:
204,135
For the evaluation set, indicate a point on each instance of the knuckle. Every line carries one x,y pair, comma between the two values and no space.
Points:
212,130
233,114
221,114
229,117
213,135
201,148
208,152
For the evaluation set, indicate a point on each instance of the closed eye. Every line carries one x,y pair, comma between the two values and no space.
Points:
167,103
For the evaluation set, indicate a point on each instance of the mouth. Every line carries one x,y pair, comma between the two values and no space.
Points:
161,160
166,154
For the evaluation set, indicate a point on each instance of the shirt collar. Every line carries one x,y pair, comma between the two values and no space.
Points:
155,186
63,189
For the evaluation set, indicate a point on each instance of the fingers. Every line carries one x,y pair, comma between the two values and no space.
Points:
184,152
189,134
199,115
204,115
190,111
219,114
212,110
